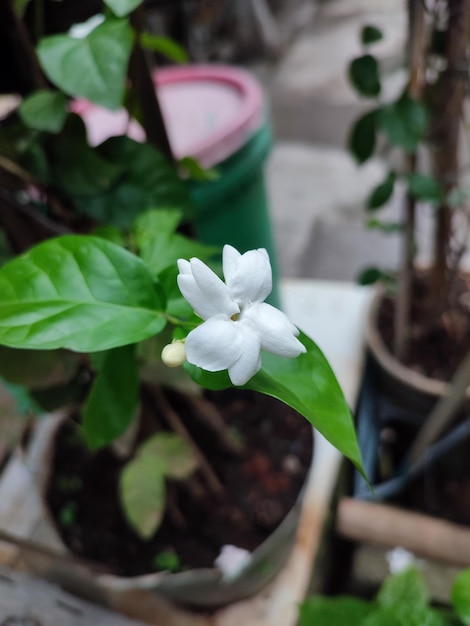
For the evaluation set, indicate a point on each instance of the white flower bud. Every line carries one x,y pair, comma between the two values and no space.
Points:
174,354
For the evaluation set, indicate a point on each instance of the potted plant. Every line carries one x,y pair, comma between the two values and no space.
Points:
403,598
420,330
92,296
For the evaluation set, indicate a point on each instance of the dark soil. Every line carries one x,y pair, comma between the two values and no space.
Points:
439,339
261,486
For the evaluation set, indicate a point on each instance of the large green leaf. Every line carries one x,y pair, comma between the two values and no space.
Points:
148,181
38,369
142,494
460,596
340,610
81,293
122,7
308,385
160,246
113,399
44,110
92,67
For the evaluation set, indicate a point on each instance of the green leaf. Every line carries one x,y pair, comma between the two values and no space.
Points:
112,402
402,615
80,171
93,67
370,276
318,611
111,233
308,385
44,110
196,172
362,139
176,457
385,227
165,46
37,369
81,293
406,588
160,246
404,122
122,7
142,494
424,187
148,181
370,34
364,75
382,193
460,596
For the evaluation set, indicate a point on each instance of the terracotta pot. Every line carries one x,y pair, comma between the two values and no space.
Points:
199,587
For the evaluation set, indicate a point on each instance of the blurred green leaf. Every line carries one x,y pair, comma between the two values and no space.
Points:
404,122
362,139
196,172
80,171
142,494
122,7
385,227
370,34
113,399
364,76
460,596
111,233
335,611
382,193
165,46
160,246
424,187
307,384
148,181
372,275
406,588
44,110
93,67
176,457
77,292
38,369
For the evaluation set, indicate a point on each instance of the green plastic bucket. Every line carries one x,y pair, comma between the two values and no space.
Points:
234,208
226,129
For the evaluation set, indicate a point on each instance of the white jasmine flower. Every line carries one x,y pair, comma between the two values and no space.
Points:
174,354
238,323
231,561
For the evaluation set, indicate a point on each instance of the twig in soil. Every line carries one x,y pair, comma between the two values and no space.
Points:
443,413
177,425
209,415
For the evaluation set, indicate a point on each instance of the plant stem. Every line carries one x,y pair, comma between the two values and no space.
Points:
177,425
448,103
145,90
209,415
17,49
417,55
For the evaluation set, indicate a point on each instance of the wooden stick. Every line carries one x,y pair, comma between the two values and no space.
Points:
177,425
211,417
392,527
